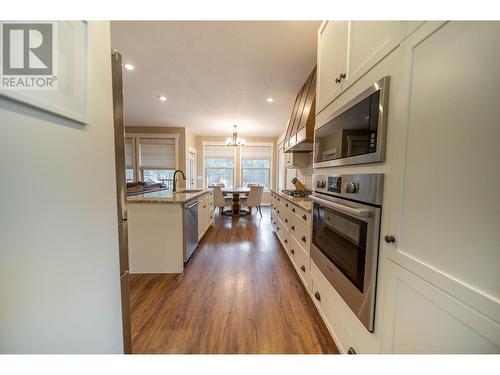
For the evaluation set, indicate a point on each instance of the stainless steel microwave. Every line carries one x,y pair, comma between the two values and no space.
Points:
356,133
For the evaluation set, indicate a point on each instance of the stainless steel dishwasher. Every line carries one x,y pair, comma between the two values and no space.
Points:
190,228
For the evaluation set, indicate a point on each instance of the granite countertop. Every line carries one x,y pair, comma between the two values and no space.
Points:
165,196
304,203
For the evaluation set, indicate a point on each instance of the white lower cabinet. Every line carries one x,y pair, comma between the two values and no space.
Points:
421,318
347,331
291,224
205,213
301,262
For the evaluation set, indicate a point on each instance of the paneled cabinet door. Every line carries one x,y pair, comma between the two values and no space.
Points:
202,216
421,319
332,61
448,235
368,43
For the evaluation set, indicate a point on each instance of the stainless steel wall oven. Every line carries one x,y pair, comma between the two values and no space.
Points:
345,239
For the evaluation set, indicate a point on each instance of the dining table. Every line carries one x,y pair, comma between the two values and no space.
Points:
236,209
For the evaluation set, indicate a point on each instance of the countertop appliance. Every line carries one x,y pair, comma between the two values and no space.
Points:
345,239
356,133
121,192
190,228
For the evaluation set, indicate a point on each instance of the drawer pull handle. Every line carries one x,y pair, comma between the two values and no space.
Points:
303,238
293,227
303,268
278,211
351,350
317,296
304,217
292,251
293,209
286,241
286,220
286,204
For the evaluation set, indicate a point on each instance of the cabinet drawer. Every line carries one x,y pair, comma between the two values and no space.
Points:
282,214
304,217
301,233
301,262
283,235
322,293
286,219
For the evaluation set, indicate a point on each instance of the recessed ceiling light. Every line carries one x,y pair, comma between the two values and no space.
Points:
129,66
162,98
270,100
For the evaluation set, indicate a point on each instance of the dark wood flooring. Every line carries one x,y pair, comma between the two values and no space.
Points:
238,294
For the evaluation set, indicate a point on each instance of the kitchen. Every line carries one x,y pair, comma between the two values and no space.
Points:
335,205
282,187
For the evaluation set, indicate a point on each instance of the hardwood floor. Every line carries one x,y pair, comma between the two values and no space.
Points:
238,294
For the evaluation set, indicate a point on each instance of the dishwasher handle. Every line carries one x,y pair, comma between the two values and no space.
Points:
191,206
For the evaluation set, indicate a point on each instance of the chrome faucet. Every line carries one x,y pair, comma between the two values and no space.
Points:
174,188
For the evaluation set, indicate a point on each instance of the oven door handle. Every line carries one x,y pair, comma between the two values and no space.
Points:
357,212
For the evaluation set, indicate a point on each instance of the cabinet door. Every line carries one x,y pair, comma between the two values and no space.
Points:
445,225
209,213
202,216
332,60
368,43
422,319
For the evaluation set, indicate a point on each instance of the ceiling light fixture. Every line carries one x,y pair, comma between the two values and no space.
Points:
270,100
129,66
162,98
234,140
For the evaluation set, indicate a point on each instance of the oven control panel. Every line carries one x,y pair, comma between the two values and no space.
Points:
360,187
334,184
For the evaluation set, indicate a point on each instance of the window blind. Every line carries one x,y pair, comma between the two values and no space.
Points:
218,152
129,153
256,152
157,153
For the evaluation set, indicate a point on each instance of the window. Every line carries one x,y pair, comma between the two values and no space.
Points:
256,165
219,164
129,159
157,159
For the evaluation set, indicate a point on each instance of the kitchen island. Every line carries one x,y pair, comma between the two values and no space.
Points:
157,228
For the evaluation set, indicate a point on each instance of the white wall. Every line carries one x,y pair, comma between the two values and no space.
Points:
59,268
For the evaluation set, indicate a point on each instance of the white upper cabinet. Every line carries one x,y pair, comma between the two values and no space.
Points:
332,61
347,50
368,42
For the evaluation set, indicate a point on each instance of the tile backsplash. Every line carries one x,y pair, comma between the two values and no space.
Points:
303,174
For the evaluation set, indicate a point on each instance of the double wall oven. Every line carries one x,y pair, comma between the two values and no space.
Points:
344,246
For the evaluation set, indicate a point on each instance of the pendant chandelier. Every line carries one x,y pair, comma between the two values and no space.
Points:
234,140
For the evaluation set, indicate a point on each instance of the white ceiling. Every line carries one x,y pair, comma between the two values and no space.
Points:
214,74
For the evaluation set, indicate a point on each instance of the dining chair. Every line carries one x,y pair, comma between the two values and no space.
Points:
254,198
219,199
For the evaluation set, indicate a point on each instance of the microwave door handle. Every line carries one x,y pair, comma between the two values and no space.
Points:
357,212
